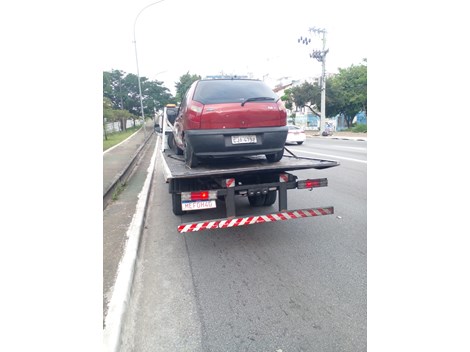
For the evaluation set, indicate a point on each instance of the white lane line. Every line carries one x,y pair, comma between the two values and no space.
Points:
337,147
335,157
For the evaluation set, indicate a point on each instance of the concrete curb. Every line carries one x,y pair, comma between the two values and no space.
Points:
122,176
123,286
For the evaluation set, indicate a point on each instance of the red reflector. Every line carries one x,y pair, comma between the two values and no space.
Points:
199,195
312,183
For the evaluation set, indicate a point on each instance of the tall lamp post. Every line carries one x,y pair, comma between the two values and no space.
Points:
320,55
137,62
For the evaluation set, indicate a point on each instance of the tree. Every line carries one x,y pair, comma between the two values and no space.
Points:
123,91
183,85
108,114
113,87
346,92
306,95
155,96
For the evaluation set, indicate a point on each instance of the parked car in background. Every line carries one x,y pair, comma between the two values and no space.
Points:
221,118
295,134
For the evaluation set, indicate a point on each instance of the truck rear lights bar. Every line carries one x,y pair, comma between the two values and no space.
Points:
309,184
251,220
201,195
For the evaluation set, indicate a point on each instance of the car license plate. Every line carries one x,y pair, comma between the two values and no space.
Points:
196,205
244,139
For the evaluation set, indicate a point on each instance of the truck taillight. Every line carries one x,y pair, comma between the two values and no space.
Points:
194,115
201,195
282,112
309,184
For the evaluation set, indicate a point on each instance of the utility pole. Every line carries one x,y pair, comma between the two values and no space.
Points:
320,55
137,63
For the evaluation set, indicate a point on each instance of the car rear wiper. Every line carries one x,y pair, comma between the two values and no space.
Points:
256,99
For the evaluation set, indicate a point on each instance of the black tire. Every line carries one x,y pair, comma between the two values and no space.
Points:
173,146
272,158
299,143
270,198
257,201
176,202
190,159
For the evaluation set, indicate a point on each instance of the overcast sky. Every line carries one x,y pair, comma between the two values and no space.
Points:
207,37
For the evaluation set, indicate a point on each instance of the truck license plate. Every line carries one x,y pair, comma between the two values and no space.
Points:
244,139
196,205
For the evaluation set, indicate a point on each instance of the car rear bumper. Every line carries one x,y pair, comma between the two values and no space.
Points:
218,143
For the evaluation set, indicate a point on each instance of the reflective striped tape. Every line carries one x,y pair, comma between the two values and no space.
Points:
283,178
250,220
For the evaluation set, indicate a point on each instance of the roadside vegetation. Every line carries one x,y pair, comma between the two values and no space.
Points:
117,137
360,128
346,94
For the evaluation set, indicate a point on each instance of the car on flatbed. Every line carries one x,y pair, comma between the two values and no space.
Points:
220,118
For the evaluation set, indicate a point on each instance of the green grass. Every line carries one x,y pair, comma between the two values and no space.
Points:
118,190
357,129
118,137
360,128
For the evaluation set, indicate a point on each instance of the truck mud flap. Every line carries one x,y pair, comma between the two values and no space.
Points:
251,220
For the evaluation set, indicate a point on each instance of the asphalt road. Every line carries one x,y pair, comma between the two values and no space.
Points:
296,285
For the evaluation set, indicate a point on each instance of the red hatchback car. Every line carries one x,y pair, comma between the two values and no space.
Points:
221,118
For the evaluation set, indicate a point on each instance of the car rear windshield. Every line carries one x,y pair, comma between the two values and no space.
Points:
231,91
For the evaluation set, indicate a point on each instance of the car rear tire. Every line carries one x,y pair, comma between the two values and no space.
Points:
190,159
173,146
176,202
299,143
272,158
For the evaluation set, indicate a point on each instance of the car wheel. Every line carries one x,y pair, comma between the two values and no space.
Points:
299,143
272,158
173,146
190,159
176,202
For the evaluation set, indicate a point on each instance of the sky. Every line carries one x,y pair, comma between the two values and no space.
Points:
208,37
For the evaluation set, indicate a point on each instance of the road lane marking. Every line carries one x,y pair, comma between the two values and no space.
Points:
335,157
336,146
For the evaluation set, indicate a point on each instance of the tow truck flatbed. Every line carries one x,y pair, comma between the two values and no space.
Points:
175,168
216,181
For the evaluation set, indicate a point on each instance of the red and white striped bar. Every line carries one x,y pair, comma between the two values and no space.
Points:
251,220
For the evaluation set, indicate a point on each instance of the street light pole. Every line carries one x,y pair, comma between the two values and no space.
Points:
320,55
137,63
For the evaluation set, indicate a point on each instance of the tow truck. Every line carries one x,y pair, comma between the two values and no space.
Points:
219,181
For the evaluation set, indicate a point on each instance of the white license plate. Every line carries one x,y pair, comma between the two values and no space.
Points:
244,139
196,205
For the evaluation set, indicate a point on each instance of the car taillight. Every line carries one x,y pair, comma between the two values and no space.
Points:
282,112
194,115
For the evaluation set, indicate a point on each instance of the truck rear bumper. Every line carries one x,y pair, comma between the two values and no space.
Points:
251,220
